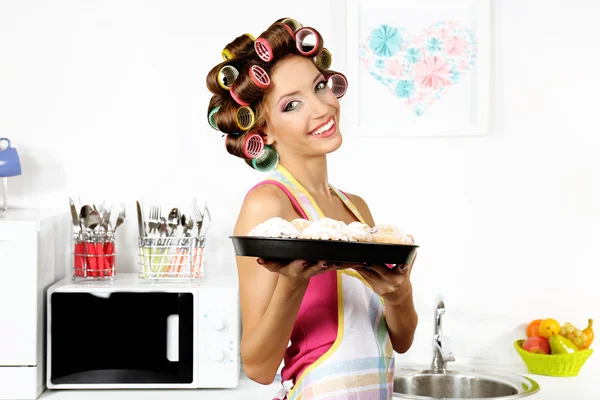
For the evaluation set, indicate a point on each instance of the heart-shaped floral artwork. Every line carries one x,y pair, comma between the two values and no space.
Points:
419,69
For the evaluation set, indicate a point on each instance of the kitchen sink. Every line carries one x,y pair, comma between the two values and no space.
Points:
461,384
437,382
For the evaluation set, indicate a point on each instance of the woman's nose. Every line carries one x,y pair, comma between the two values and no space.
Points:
320,107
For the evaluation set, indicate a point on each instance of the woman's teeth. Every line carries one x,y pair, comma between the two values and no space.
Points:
324,128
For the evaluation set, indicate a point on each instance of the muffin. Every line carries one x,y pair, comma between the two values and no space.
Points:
275,227
300,223
387,233
326,229
359,232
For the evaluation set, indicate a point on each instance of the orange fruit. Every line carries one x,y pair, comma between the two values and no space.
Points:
549,327
533,329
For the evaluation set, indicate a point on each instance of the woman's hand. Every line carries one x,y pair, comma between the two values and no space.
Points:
392,284
301,271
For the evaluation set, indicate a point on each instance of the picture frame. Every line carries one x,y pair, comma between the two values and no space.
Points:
418,67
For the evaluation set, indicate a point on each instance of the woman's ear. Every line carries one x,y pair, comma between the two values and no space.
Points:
267,137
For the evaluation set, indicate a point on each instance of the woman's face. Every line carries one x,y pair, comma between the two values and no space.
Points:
302,113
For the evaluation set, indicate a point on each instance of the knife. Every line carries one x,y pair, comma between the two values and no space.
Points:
141,229
74,217
78,250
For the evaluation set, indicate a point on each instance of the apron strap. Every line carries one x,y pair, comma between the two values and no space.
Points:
289,194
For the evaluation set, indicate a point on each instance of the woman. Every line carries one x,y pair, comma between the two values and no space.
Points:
272,97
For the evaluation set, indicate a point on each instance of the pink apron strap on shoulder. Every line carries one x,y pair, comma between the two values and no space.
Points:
286,191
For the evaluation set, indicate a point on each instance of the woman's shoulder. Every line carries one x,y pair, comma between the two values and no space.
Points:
265,195
261,203
362,207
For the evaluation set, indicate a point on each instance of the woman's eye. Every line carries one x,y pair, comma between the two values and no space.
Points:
321,85
291,105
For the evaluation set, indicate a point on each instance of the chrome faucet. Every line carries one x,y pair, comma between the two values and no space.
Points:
442,352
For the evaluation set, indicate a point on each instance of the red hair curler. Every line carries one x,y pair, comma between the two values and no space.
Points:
259,77
263,49
309,42
236,98
253,145
338,84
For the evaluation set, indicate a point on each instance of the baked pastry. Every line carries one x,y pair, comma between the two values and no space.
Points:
359,232
275,227
300,223
387,233
326,229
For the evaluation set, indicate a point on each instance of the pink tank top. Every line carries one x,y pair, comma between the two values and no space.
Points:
316,326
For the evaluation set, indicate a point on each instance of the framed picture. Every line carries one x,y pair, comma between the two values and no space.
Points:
418,67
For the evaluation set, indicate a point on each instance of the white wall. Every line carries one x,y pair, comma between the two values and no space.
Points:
107,100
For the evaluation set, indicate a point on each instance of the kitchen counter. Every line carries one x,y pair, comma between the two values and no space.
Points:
583,387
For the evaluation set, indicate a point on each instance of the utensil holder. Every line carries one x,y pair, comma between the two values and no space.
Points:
168,258
94,255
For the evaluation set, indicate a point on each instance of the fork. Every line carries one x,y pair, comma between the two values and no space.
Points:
153,225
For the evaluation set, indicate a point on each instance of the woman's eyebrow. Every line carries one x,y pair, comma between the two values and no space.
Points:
297,91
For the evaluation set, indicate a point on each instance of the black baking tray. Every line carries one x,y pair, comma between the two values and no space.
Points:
283,249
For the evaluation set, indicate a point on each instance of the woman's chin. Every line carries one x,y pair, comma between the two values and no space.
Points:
333,144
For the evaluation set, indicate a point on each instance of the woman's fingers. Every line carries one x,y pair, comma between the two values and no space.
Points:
274,265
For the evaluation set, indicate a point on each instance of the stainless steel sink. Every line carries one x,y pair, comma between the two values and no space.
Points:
438,382
461,384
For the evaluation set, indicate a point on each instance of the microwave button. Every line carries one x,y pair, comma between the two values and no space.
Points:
218,324
216,354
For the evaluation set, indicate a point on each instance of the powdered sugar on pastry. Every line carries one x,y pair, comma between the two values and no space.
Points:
326,229
387,233
300,223
275,227
359,231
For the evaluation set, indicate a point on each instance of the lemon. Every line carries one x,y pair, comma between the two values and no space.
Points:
549,327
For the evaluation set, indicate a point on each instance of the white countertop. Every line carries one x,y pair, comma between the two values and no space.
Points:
586,386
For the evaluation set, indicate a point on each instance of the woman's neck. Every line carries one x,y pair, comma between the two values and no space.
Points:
311,173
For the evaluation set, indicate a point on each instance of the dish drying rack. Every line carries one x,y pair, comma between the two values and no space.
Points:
164,252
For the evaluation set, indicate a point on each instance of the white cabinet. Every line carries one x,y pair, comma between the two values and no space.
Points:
27,268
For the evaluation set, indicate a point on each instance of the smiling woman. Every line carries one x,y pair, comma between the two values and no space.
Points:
277,102
267,79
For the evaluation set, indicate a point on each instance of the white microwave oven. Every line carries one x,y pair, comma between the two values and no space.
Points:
135,333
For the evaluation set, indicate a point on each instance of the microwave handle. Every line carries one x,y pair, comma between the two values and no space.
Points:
173,337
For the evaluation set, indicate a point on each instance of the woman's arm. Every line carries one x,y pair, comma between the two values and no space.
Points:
270,292
395,288
269,302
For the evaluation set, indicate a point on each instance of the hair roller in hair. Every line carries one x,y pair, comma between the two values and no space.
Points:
244,118
253,145
259,77
263,49
338,84
236,97
227,75
323,59
309,42
211,117
291,25
226,54
267,160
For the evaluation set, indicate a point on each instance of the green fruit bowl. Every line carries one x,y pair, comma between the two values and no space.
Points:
563,365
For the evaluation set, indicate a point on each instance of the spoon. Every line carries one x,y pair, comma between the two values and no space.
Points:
85,211
91,221
174,220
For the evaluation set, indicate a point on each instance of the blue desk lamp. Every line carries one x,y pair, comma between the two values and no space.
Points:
9,166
